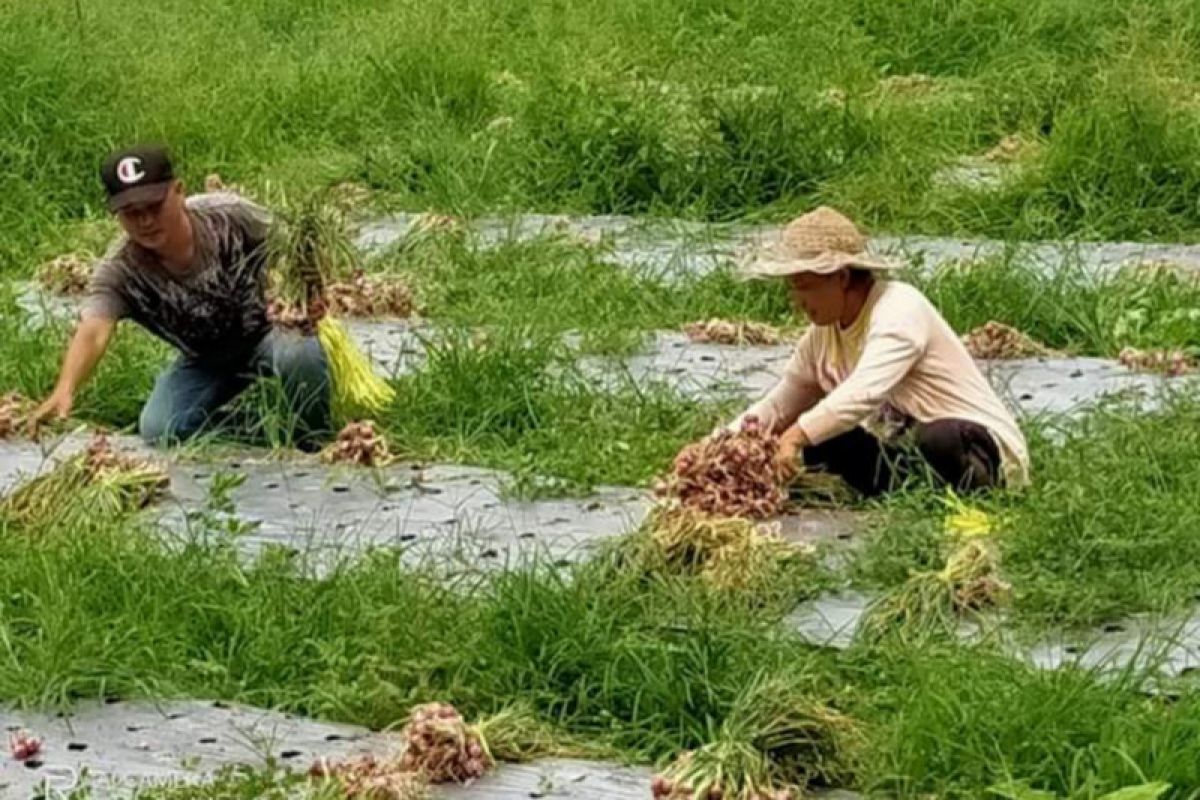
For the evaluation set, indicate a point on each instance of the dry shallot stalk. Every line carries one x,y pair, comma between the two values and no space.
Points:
1013,147
349,195
358,443
436,223
730,474
722,331
727,553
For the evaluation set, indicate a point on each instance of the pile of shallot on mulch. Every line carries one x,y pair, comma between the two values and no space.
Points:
437,746
358,443
366,296
1171,363
997,341
741,332
67,274
730,474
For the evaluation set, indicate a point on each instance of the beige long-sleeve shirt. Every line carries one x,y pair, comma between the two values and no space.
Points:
900,355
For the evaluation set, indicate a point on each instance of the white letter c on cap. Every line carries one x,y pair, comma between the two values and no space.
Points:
129,170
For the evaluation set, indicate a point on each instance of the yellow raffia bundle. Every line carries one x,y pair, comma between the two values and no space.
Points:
965,521
357,390
310,249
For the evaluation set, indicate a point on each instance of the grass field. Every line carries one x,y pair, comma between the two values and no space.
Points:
704,109
707,108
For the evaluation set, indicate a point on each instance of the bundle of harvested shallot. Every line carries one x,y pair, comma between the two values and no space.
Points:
776,742
442,747
730,474
728,553
100,479
935,600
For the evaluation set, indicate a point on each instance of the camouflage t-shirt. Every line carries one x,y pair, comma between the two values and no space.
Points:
215,311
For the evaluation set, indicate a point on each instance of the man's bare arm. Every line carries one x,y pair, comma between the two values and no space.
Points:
87,346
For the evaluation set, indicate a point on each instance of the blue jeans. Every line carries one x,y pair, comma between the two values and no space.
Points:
189,394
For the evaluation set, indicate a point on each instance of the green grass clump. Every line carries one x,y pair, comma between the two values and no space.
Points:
100,609
712,110
513,398
1070,308
953,721
1105,529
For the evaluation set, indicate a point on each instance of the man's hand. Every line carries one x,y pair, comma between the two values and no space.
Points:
56,407
791,441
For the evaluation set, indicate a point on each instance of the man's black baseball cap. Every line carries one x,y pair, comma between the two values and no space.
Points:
136,175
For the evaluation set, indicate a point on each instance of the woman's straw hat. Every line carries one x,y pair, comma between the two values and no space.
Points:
822,241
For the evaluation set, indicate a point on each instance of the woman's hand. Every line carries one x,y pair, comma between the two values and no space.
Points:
791,442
